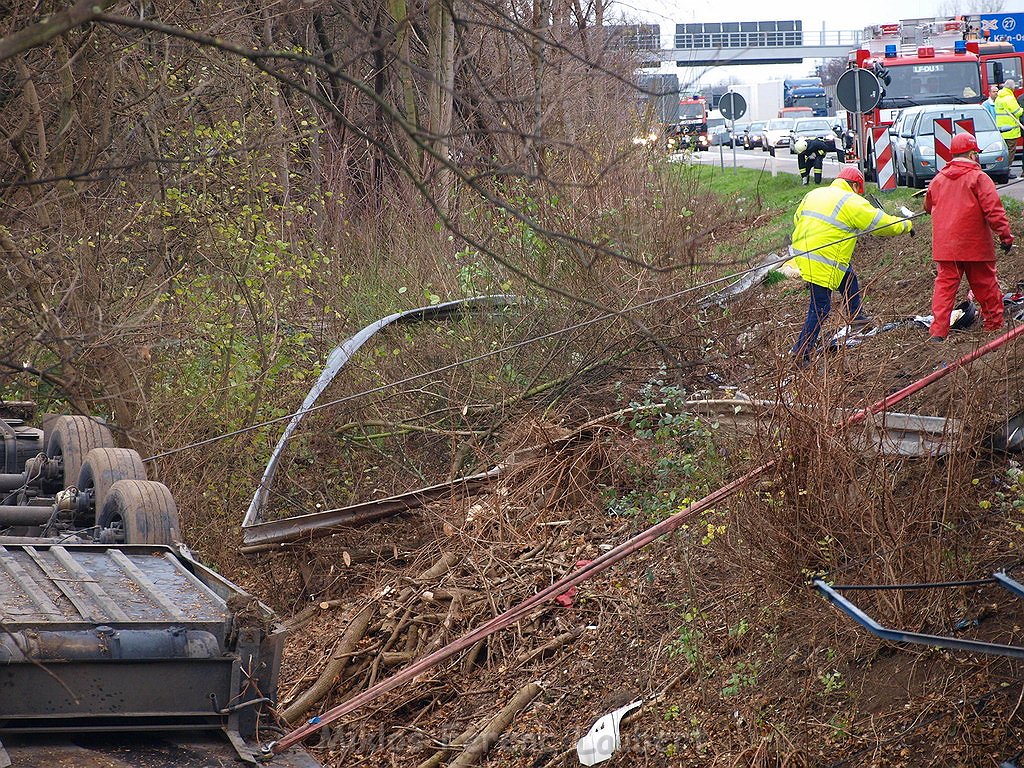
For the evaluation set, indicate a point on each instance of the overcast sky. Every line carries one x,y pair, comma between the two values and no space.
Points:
834,15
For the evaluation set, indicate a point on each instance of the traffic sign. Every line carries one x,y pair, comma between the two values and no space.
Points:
732,106
1004,27
864,81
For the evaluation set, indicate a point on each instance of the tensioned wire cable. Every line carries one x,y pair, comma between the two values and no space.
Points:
522,343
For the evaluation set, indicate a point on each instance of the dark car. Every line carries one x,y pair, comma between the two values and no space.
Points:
754,136
739,134
811,128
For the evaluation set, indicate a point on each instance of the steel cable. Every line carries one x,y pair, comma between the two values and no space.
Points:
515,345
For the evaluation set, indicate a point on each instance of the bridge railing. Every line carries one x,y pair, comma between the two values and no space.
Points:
770,39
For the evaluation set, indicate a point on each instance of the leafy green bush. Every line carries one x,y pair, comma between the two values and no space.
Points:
678,461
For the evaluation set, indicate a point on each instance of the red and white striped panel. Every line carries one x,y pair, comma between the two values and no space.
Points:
885,171
945,129
965,126
943,137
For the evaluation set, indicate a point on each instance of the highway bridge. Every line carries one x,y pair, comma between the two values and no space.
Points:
703,44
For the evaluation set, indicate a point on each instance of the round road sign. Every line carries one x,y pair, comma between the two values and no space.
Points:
863,80
732,106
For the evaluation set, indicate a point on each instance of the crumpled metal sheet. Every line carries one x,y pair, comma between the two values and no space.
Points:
848,336
336,360
743,283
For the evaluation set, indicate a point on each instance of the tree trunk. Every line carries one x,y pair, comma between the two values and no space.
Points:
442,79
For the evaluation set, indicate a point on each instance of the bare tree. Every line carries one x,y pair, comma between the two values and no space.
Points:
155,159
953,8
831,70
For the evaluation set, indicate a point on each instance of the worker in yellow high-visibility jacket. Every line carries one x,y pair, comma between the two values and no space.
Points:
1008,118
827,223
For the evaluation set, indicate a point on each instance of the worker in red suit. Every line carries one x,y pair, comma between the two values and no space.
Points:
966,210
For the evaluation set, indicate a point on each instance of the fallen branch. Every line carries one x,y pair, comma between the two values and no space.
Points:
479,746
474,653
554,643
339,658
303,617
460,742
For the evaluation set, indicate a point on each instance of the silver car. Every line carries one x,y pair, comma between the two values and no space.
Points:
720,136
913,142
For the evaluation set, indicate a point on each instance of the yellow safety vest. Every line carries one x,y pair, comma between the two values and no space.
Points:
824,222
1008,114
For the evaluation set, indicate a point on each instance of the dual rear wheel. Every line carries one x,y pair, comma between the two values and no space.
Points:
129,508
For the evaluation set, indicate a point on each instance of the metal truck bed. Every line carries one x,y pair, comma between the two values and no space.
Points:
46,587
171,750
100,638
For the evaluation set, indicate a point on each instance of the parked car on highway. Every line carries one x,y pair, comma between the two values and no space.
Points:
776,134
913,142
811,128
720,136
754,135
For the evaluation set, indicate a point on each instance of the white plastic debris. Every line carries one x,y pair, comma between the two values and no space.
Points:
790,270
603,738
906,212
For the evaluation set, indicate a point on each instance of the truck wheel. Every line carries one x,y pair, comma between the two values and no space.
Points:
140,512
105,466
71,438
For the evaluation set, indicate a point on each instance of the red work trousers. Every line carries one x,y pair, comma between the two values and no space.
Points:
981,276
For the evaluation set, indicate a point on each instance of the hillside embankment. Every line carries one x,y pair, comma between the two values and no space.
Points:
739,662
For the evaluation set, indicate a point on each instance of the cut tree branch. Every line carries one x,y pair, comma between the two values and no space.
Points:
79,14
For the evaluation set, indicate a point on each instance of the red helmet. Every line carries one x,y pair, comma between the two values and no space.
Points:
962,144
853,175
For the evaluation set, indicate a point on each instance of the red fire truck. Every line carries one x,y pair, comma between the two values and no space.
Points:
928,61
692,129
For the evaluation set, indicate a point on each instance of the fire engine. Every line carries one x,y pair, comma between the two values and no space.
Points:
928,61
692,129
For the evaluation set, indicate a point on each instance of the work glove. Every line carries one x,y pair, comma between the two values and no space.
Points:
911,231
1006,247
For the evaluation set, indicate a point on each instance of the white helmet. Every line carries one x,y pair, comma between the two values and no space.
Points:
800,146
